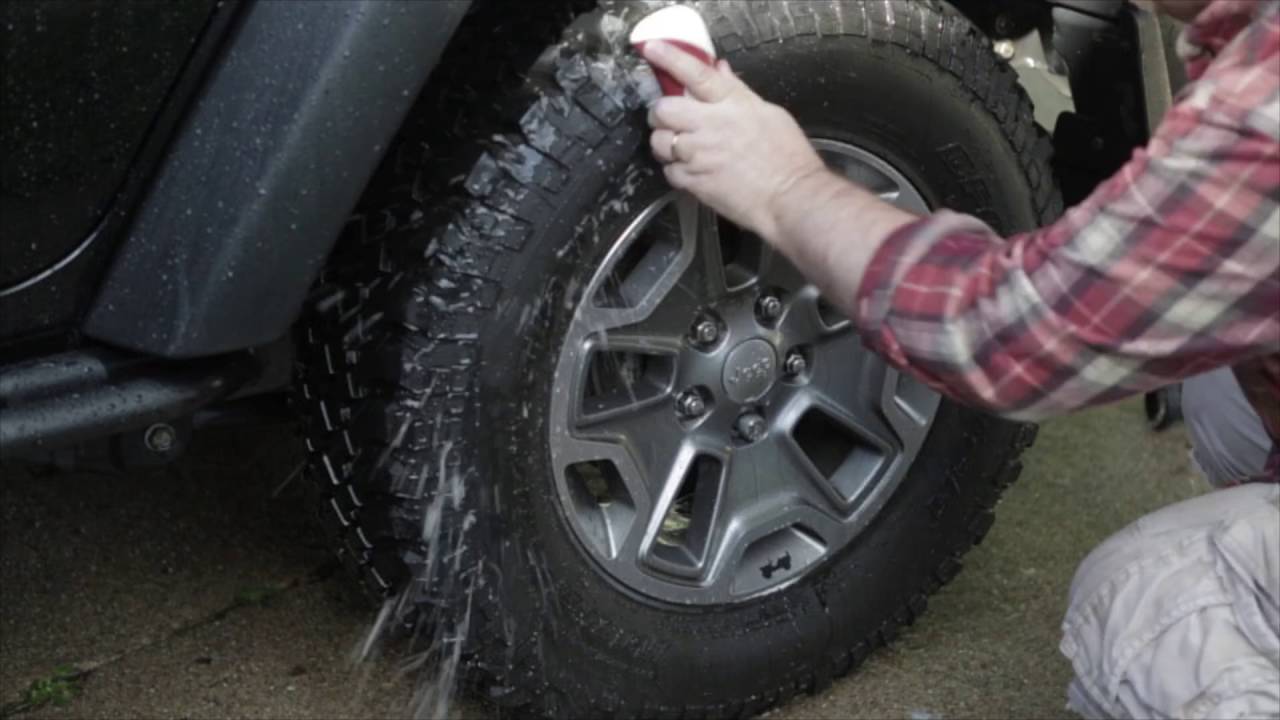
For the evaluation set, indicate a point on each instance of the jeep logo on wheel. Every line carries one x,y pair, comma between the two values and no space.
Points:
756,371
750,370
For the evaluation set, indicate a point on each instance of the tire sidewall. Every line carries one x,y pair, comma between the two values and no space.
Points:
902,108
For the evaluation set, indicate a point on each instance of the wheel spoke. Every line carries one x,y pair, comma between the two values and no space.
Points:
746,488
646,425
776,271
774,476
641,272
807,486
573,453
654,439
909,406
663,329
666,321
845,440
855,406
688,484
805,321
665,468
704,281
896,409
842,374
771,491
618,420
694,277
809,470
649,469
640,338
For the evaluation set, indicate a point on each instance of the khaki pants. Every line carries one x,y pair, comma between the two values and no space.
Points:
1228,442
1178,615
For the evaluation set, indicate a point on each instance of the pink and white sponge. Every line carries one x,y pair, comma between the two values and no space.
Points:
681,26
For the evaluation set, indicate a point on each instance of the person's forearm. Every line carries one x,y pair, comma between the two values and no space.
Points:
830,229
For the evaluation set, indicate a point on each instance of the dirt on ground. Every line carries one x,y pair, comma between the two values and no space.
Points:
199,590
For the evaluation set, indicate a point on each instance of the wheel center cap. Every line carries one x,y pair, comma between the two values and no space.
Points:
750,370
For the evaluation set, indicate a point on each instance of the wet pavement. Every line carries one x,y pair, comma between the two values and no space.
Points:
199,590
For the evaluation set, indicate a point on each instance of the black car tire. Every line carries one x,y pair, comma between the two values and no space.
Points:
1163,407
426,372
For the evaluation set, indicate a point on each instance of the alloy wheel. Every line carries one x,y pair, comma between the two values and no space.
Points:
717,429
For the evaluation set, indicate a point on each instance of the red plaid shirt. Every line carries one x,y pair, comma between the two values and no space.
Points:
1169,269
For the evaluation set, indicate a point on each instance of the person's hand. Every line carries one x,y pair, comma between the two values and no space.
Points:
722,142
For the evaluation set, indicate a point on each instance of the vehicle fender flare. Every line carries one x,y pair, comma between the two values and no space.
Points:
267,164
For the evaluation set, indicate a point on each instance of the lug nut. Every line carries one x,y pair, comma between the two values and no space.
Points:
769,307
795,364
159,438
706,331
690,404
751,427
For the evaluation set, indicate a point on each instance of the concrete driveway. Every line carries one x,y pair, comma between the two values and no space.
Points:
198,590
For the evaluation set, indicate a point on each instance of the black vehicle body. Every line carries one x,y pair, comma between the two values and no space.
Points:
175,179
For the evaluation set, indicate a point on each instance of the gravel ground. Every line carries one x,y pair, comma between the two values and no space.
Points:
198,590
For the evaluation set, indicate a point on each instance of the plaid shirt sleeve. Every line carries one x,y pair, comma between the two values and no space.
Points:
1170,268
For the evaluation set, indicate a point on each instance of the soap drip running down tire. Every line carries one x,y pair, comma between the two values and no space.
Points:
437,391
